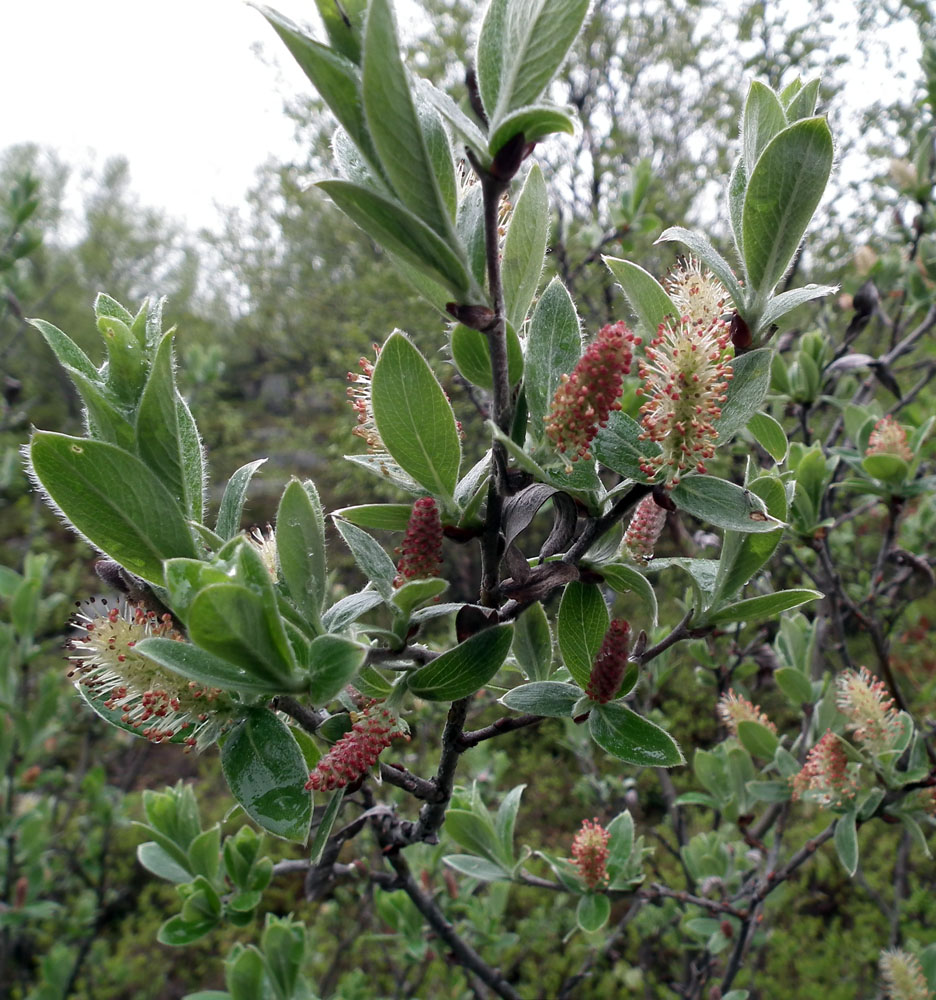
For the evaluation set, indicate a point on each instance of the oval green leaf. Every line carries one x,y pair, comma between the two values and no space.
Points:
631,738
266,772
466,668
114,500
415,418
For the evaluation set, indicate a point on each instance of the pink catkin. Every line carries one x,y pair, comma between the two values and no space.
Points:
590,853
585,399
421,551
825,773
889,438
610,663
644,530
356,751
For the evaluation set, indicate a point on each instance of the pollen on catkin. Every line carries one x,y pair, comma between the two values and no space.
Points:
733,709
421,549
357,751
685,372
590,853
902,976
826,777
585,399
869,709
889,438
644,529
155,702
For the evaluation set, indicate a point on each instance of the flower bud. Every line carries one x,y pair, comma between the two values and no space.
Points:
644,530
610,663
585,399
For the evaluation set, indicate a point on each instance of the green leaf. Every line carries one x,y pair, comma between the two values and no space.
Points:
350,609
244,975
533,123
154,859
549,698
232,503
723,504
66,351
473,830
763,119
756,609
373,562
743,555
525,247
472,356
709,256
581,625
887,468
239,625
506,820
746,391
769,435
266,772
106,422
393,123
554,346
785,302
462,125
333,662
770,791
631,738
803,103
618,446
846,842
405,235
159,434
344,25
324,829
417,592
784,188
795,685
198,665
532,643
759,740
205,853
592,912
461,671
625,579
737,184
113,500
300,546
334,76
479,868
491,51
177,932
377,516
536,37
646,295
414,417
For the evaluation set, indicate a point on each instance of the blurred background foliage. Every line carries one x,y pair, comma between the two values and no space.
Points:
273,308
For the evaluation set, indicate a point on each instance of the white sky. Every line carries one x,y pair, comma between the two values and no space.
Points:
177,88
173,85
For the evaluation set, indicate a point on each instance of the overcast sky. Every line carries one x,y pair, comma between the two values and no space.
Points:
177,88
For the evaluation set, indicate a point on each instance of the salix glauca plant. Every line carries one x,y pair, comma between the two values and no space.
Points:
232,637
